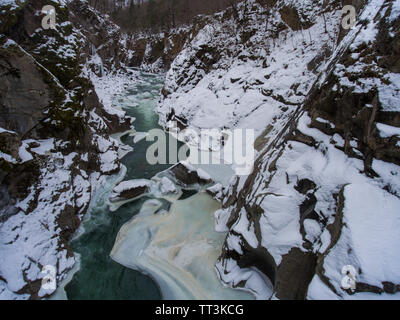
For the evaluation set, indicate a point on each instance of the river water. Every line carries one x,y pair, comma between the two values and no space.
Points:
178,248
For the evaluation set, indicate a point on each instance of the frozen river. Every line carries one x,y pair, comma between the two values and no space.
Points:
157,247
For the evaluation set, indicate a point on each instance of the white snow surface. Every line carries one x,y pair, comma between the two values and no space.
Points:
368,241
260,87
131,184
236,92
386,131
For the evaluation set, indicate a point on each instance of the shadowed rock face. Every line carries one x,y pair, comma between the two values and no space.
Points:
186,176
140,46
346,109
292,18
35,77
252,258
133,193
157,48
9,143
295,273
351,114
305,185
260,259
129,193
24,94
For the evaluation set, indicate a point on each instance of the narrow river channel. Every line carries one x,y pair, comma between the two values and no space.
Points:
161,256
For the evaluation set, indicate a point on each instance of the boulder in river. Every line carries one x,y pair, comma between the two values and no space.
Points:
187,174
131,189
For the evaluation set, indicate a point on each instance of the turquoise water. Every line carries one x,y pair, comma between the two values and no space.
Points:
100,277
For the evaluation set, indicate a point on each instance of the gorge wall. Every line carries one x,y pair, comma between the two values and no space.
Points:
324,103
55,145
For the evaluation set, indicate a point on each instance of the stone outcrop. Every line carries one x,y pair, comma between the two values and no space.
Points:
54,132
341,129
129,190
188,175
354,115
156,52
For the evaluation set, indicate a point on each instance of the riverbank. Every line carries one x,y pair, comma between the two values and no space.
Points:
181,244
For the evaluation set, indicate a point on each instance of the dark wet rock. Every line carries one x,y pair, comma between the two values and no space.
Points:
307,211
20,179
390,287
133,193
365,287
346,108
298,136
186,194
335,230
246,35
188,175
295,274
29,90
128,190
140,46
305,185
250,257
307,208
208,56
258,258
387,287
69,222
293,19
100,32
181,122
10,143
7,204
32,288
160,48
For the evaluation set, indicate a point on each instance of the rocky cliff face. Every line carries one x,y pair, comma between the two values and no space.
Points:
324,102
155,52
54,133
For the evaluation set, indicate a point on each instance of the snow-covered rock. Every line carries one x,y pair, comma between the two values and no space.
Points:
167,186
57,149
128,190
189,175
324,105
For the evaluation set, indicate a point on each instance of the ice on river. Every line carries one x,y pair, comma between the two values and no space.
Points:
178,249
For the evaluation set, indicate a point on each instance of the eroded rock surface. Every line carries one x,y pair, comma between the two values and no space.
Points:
54,138
189,175
324,102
